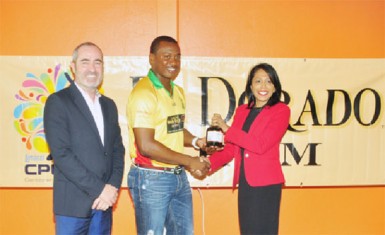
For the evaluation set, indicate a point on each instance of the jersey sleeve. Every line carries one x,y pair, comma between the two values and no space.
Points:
141,108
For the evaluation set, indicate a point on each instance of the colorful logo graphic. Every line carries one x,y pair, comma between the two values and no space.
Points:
29,113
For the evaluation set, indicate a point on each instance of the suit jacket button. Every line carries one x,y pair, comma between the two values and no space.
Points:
105,154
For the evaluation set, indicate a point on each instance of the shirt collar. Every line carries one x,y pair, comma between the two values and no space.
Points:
85,95
155,80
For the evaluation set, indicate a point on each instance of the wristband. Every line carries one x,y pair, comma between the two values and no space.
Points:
194,143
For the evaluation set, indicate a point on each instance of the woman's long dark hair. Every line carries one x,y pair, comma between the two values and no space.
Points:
275,98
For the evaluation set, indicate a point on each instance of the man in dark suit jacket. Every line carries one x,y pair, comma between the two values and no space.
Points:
84,137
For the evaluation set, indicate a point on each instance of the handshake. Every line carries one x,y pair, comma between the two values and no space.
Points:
199,167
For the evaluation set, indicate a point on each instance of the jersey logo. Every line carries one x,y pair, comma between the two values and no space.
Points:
175,123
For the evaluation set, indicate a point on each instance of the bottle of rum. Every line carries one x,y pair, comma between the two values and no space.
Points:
214,136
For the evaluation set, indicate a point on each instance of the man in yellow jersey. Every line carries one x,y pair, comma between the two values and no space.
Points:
157,179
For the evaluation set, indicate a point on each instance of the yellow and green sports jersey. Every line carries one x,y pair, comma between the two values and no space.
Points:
150,105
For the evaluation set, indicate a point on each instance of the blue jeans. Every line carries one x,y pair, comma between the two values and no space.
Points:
162,200
99,223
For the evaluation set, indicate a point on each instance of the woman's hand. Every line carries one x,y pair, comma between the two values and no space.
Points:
217,120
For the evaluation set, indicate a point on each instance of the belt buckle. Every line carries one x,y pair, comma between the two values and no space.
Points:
178,170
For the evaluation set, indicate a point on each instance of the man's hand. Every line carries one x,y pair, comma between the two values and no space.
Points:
109,194
212,149
202,144
99,204
199,174
199,167
106,199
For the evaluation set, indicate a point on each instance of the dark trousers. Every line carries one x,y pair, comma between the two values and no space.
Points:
258,208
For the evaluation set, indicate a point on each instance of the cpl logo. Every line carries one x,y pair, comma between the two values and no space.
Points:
29,113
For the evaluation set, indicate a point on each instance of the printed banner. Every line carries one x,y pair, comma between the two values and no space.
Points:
336,135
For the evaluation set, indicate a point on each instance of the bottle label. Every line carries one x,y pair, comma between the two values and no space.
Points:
215,136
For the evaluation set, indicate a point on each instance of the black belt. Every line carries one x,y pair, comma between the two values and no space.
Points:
176,170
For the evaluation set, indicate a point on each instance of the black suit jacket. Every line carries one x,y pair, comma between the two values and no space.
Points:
82,164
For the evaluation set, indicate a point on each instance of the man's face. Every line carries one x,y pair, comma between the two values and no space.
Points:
88,68
166,61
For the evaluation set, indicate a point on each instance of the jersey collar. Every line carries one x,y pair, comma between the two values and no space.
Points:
155,80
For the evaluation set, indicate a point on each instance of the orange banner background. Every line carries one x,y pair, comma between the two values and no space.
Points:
275,29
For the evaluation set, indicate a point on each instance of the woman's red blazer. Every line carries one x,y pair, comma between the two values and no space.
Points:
261,145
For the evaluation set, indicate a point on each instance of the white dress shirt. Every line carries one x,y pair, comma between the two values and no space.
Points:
95,109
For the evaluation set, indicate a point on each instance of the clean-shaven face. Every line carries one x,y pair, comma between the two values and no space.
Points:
166,61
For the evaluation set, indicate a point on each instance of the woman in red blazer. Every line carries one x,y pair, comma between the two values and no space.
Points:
253,141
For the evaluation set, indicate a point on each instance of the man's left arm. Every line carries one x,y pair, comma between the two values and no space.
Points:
109,194
117,162
117,153
189,140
